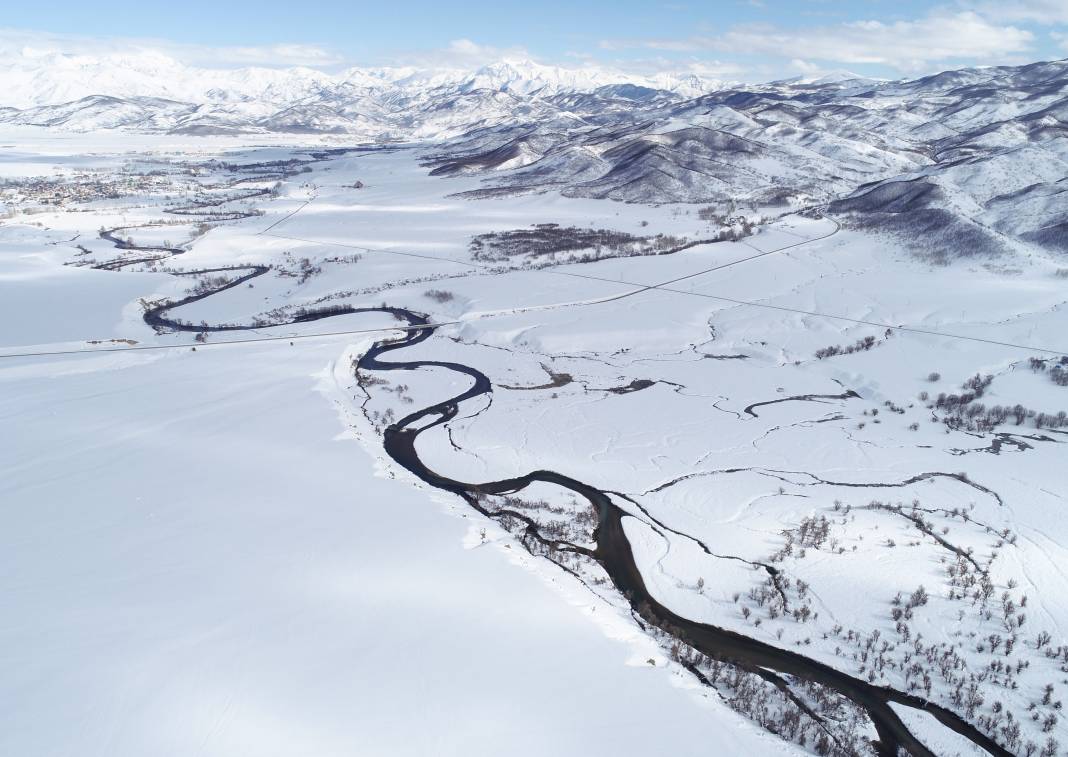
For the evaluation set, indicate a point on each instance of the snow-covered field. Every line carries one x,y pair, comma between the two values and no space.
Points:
206,549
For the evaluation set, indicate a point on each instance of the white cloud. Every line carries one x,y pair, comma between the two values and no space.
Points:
805,67
708,69
1062,39
651,66
1034,11
26,45
270,55
153,66
904,45
458,54
466,47
667,45
466,52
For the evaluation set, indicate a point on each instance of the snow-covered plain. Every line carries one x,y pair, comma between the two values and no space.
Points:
209,551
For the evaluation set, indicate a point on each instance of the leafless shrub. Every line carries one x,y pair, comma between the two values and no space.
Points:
440,296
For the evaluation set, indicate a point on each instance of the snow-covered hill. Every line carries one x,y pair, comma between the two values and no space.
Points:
964,163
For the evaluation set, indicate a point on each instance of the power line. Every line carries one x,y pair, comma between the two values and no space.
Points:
861,321
435,258
663,287
640,287
286,217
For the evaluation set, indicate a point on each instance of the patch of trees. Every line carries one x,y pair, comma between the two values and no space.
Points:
733,227
548,239
710,214
343,259
861,345
209,284
798,711
982,670
1057,371
302,269
317,313
265,169
734,233
440,296
281,314
964,411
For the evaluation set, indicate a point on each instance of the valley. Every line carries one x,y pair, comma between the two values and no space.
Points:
732,416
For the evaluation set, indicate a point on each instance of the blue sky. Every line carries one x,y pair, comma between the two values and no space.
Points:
743,39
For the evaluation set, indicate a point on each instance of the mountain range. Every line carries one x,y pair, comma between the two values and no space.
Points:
962,164
155,92
972,162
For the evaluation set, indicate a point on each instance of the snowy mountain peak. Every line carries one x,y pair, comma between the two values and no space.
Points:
37,78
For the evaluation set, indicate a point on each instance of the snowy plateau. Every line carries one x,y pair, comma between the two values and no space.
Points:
529,411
